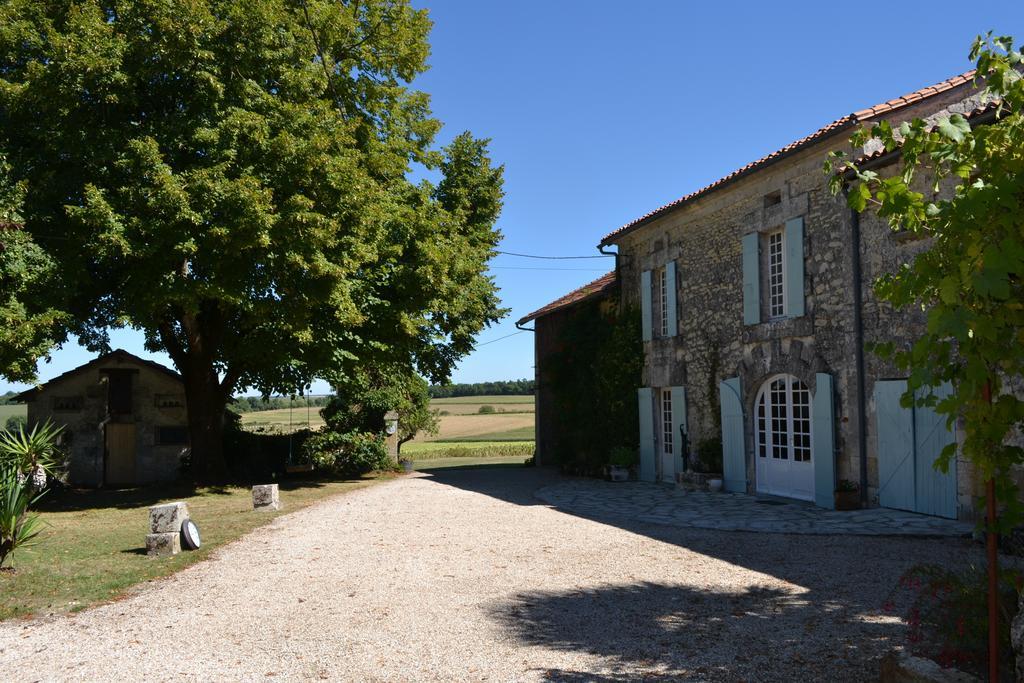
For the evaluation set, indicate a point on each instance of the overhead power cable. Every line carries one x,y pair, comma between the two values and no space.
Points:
552,258
500,338
585,270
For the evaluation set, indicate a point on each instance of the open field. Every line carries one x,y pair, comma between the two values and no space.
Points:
10,411
480,400
280,420
92,548
493,427
464,424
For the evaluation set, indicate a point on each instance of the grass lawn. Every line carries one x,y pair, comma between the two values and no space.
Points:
93,548
444,450
451,463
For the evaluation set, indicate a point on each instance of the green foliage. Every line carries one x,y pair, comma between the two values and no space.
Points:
621,456
231,178
709,455
970,279
365,397
29,328
471,450
33,452
847,486
948,616
18,527
486,410
15,423
516,387
347,455
594,380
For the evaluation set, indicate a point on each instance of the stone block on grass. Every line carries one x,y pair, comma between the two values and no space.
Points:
167,518
266,497
161,545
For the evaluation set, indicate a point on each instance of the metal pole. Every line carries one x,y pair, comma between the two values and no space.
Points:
993,567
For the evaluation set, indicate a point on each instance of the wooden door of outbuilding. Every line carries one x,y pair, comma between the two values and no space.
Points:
120,450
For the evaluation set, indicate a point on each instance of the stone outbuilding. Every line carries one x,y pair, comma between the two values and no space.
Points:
550,339
757,312
124,420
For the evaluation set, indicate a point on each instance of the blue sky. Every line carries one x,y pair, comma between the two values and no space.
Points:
602,111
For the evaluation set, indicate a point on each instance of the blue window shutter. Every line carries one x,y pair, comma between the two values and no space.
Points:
794,241
734,459
751,280
895,427
645,304
645,404
935,491
670,297
823,428
679,419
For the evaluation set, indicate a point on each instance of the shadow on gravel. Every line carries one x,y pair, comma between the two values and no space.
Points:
676,632
829,624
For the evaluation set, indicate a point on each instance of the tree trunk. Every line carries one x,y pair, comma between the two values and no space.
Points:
206,402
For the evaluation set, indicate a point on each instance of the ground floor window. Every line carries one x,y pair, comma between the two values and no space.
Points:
666,420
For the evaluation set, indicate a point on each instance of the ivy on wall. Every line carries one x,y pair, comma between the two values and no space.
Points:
594,377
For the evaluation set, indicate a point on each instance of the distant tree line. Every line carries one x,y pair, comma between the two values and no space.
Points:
515,387
248,404
8,398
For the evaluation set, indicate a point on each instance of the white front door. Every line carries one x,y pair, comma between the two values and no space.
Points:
785,466
666,453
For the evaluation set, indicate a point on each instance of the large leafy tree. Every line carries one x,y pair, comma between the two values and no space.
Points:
231,178
970,279
28,327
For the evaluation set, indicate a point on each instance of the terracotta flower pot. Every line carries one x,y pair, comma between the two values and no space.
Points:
847,500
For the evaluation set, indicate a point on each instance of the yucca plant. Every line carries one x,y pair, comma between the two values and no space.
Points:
18,526
32,453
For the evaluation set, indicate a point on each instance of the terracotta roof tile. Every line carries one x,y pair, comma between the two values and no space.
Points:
587,291
840,124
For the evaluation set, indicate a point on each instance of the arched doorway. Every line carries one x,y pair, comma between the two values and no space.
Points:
785,466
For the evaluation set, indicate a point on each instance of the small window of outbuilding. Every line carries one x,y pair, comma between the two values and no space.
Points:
169,401
172,435
68,404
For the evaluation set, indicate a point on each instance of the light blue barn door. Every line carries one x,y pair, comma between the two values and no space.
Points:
909,442
734,453
895,447
935,490
645,404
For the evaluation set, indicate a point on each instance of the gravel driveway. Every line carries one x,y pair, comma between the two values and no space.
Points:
464,575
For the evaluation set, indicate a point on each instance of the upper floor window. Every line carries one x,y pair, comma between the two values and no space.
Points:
663,301
776,275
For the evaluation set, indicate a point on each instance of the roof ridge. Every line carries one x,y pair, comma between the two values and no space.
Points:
831,128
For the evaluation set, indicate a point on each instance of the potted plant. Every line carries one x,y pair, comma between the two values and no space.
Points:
406,464
620,460
847,495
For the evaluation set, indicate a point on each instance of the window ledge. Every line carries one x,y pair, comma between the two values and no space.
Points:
776,328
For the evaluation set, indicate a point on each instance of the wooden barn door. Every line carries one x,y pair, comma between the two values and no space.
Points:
120,447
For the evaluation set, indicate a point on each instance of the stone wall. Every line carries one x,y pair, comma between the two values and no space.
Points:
712,343
158,401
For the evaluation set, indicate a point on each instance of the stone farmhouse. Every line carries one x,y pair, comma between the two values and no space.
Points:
757,308
124,420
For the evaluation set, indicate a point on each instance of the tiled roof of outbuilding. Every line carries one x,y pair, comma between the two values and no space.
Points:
836,126
588,290
119,355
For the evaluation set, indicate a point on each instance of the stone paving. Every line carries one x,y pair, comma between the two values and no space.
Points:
672,506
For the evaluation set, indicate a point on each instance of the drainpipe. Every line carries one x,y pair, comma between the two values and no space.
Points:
601,248
858,331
